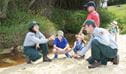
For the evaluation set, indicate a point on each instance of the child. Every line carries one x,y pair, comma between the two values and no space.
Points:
92,13
114,29
61,45
78,45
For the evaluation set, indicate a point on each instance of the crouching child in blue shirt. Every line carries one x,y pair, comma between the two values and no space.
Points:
61,45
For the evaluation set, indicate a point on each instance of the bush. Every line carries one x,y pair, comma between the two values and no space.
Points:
72,20
116,2
106,17
122,25
13,29
68,20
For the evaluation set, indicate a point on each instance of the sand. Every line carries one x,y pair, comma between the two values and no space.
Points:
71,66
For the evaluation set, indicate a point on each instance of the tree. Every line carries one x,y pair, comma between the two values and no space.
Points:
3,8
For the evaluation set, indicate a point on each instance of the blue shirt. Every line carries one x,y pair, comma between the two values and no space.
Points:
61,44
79,45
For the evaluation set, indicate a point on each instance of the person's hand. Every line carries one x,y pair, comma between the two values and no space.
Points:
37,45
52,37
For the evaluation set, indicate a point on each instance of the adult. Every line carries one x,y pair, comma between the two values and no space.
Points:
103,46
35,44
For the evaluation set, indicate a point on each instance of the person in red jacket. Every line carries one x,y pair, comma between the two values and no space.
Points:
92,13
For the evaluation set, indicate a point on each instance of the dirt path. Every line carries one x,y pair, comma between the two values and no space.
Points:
72,66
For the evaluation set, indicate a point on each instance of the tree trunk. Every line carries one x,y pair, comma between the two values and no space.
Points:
3,8
31,3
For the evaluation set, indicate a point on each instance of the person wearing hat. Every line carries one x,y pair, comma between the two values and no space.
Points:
61,45
103,46
35,44
78,45
92,13
114,29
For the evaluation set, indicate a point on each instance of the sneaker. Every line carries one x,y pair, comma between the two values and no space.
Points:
96,64
67,55
37,61
55,56
29,62
90,60
82,57
46,59
116,60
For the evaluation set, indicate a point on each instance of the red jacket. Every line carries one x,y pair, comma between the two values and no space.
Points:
94,16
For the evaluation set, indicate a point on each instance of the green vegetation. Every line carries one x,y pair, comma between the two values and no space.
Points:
16,15
116,2
119,12
12,30
68,20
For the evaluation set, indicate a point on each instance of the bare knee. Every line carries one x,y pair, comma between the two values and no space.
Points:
54,51
68,49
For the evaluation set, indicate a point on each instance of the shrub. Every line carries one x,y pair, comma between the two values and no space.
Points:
68,20
72,20
106,17
122,25
13,29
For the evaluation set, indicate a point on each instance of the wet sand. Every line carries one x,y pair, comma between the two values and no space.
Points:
71,66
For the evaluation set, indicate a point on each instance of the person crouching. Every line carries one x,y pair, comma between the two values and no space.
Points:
61,45
78,45
35,37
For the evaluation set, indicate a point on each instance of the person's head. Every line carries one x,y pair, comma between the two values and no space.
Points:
79,37
90,6
114,23
60,34
34,27
89,26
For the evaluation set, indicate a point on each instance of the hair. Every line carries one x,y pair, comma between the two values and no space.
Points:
92,23
60,32
92,3
31,27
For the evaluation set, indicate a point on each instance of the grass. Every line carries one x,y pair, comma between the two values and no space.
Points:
119,12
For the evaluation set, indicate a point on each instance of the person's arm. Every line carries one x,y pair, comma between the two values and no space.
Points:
52,37
89,16
67,46
86,48
55,47
37,40
37,45
40,35
74,45
83,44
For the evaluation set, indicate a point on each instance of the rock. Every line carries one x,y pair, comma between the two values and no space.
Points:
7,60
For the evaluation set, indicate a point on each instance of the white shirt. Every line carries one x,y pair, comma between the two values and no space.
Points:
103,36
